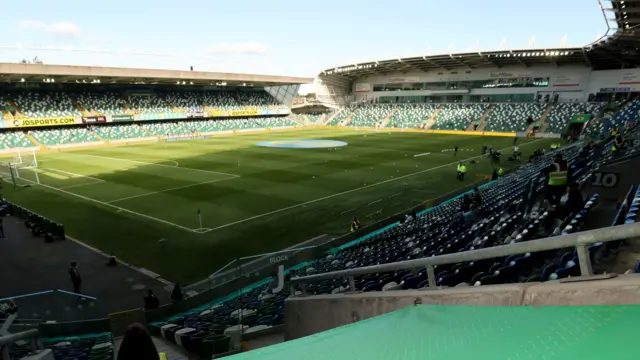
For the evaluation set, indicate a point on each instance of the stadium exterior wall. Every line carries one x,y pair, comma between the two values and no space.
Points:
570,83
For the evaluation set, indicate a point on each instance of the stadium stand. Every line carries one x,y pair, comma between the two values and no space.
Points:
91,346
184,102
63,136
120,132
14,139
219,101
108,103
148,104
46,105
411,115
512,117
458,116
561,114
370,115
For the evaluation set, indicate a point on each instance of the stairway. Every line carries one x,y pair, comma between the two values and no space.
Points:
329,118
6,115
13,104
34,141
387,119
432,119
483,119
347,120
543,120
97,135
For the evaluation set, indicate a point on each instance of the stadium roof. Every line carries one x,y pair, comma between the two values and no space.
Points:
10,72
617,50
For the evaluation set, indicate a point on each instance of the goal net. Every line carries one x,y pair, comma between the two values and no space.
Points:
21,169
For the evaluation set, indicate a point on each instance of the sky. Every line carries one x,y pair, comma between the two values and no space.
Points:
276,37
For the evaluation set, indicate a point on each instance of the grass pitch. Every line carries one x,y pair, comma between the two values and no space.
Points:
251,199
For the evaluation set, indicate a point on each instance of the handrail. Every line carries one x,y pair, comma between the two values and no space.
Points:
580,240
33,335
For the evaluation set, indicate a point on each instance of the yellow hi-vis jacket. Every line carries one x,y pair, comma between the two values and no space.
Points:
500,172
558,177
463,169
162,356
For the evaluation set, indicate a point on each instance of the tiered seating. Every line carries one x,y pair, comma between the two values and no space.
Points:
150,104
63,136
167,128
629,114
93,346
260,100
457,116
512,117
14,139
562,113
315,118
274,122
185,102
411,115
370,115
120,132
102,103
220,101
46,105
342,116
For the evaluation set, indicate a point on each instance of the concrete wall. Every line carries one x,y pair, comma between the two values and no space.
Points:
309,315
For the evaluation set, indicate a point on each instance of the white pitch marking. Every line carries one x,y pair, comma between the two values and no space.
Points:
423,154
354,190
163,165
72,174
112,206
80,185
166,190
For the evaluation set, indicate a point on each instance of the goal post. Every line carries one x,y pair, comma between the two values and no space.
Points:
22,169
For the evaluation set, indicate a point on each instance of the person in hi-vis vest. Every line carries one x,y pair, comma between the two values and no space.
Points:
558,175
355,224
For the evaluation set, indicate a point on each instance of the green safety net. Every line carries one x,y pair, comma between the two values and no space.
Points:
430,332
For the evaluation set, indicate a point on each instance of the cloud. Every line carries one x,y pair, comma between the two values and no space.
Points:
61,29
249,47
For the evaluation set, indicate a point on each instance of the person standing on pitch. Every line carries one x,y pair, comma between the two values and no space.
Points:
455,151
76,279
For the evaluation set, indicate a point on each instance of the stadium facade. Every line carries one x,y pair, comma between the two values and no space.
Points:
36,95
600,71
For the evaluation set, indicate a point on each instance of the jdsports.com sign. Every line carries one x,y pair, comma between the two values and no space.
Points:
44,122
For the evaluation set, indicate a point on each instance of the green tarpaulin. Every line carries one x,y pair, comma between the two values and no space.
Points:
580,118
434,332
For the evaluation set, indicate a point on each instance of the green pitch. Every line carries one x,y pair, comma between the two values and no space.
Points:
251,199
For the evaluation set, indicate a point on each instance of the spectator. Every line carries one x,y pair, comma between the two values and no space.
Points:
476,197
138,345
574,202
494,175
151,301
466,203
176,294
471,216
76,279
355,224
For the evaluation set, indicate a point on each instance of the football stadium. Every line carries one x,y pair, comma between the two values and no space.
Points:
420,207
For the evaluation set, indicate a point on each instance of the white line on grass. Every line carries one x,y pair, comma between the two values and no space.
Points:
356,189
112,206
423,154
72,174
167,190
154,164
80,185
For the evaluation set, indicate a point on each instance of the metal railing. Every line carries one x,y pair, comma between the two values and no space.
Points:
32,335
580,241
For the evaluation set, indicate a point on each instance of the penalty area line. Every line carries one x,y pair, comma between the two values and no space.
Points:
354,190
154,164
112,206
170,189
